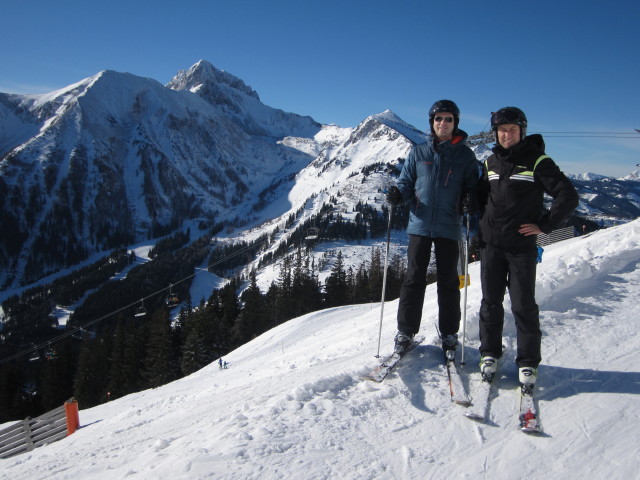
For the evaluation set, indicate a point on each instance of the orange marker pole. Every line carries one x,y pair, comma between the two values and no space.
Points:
73,419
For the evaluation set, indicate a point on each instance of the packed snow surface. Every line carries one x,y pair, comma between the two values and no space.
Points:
293,404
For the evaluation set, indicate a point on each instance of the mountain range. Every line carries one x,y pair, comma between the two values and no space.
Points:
116,160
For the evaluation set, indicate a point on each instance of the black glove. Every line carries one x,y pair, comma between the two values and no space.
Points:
469,204
394,196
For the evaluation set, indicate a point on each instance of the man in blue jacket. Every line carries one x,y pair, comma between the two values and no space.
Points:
438,180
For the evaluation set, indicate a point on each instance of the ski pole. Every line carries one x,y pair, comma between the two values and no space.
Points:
384,278
466,283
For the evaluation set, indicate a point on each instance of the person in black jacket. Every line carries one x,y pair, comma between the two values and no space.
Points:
515,179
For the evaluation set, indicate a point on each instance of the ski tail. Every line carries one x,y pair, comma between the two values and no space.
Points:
379,373
456,386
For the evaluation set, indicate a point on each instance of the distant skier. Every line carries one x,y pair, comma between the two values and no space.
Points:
220,362
515,179
437,181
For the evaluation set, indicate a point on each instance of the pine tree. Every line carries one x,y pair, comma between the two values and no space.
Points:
135,341
253,319
90,383
272,299
361,285
117,374
159,364
56,384
11,381
336,284
197,348
306,294
376,272
395,276
285,304
230,310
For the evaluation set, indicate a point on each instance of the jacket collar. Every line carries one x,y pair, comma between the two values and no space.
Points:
459,137
533,143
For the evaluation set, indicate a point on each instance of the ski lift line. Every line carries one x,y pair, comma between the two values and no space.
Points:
599,133
589,136
488,137
75,330
64,335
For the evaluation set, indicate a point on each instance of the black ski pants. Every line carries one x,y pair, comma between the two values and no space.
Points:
415,282
516,271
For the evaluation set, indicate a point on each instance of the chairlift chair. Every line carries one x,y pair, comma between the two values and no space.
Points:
312,234
141,311
51,354
172,299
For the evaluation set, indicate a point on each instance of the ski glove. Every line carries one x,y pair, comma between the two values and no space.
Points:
469,204
394,196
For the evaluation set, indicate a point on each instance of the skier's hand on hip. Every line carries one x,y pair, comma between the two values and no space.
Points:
529,229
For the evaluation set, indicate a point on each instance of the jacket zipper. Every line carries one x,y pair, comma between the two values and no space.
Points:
446,182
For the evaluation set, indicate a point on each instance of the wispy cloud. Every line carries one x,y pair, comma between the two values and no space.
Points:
27,89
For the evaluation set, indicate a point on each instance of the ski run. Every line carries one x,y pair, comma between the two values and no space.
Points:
294,404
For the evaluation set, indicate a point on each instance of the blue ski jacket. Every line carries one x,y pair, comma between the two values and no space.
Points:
434,180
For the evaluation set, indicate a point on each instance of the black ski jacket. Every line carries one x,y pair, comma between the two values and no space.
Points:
511,193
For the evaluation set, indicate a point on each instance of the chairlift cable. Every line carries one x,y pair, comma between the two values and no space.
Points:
74,329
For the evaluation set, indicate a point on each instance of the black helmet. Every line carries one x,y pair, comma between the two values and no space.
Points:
509,115
445,106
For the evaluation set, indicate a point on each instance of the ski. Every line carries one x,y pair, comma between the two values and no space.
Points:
456,387
528,413
479,409
379,373
480,406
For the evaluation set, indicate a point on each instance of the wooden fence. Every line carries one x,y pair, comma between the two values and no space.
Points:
34,432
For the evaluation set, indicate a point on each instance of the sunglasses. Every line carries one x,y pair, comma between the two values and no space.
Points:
446,119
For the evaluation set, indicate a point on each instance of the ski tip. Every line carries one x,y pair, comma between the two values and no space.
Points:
533,431
464,403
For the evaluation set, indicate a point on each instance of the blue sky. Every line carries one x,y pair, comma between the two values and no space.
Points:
572,66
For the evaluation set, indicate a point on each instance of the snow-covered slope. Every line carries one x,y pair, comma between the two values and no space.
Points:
292,403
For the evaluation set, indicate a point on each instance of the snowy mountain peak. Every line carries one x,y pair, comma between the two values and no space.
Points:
635,175
587,176
394,122
204,73
241,103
